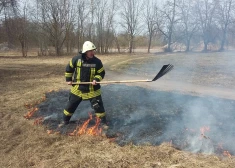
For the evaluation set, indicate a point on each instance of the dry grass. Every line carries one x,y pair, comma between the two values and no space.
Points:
24,145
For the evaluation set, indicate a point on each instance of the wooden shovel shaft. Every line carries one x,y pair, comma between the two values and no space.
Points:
109,82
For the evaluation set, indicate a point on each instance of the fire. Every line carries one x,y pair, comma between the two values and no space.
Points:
226,153
33,107
30,113
203,130
170,143
38,121
95,130
49,132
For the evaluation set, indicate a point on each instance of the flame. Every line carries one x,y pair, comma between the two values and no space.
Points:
95,130
49,132
226,153
203,130
82,130
28,106
38,121
170,143
33,107
30,113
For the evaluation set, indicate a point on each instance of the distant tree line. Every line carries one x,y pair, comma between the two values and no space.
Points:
115,24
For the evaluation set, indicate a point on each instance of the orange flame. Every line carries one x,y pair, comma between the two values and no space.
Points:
226,153
38,121
30,113
203,130
49,132
32,106
82,130
95,130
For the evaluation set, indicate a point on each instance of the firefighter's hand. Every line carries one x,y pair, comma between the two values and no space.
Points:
94,82
69,83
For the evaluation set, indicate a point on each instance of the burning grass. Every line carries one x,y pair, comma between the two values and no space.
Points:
155,120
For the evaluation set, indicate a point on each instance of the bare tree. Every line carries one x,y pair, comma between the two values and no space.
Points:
224,17
130,15
104,13
101,5
82,17
188,22
55,22
70,25
12,4
91,22
23,31
205,10
109,25
150,20
166,22
9,9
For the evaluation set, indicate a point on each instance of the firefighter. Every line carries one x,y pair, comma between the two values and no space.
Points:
85,67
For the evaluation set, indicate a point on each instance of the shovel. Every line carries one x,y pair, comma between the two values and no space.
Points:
164,70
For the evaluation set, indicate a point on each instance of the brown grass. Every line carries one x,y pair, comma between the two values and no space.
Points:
22,144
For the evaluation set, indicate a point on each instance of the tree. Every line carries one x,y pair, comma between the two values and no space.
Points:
23,32
205,10
167,18
9,9
104,13
10,4
82,17
55,21
188,22
224,18
150,20
130,15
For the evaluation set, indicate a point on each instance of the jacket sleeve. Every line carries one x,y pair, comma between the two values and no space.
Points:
100,72
70,68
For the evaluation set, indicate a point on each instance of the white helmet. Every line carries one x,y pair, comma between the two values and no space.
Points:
87,46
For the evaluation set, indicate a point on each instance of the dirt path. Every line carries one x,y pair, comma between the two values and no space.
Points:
164,84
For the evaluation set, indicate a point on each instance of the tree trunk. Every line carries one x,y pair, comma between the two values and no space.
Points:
187,46
24,46
131,44
205,46
169,44
150,42
223,41
118,45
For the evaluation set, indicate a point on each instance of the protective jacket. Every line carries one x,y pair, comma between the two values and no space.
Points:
81,69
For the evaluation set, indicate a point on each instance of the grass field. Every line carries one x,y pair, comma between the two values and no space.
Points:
25,80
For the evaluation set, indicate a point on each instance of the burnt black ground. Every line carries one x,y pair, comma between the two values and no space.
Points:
141,116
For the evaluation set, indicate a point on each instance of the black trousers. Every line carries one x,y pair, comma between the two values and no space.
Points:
74,101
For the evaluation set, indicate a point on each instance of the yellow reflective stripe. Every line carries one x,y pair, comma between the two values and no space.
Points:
67,113
100,70
79,64
99,77
85,96
71,64
91,87
100,115
68,74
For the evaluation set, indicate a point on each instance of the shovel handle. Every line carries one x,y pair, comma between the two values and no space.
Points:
109,82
